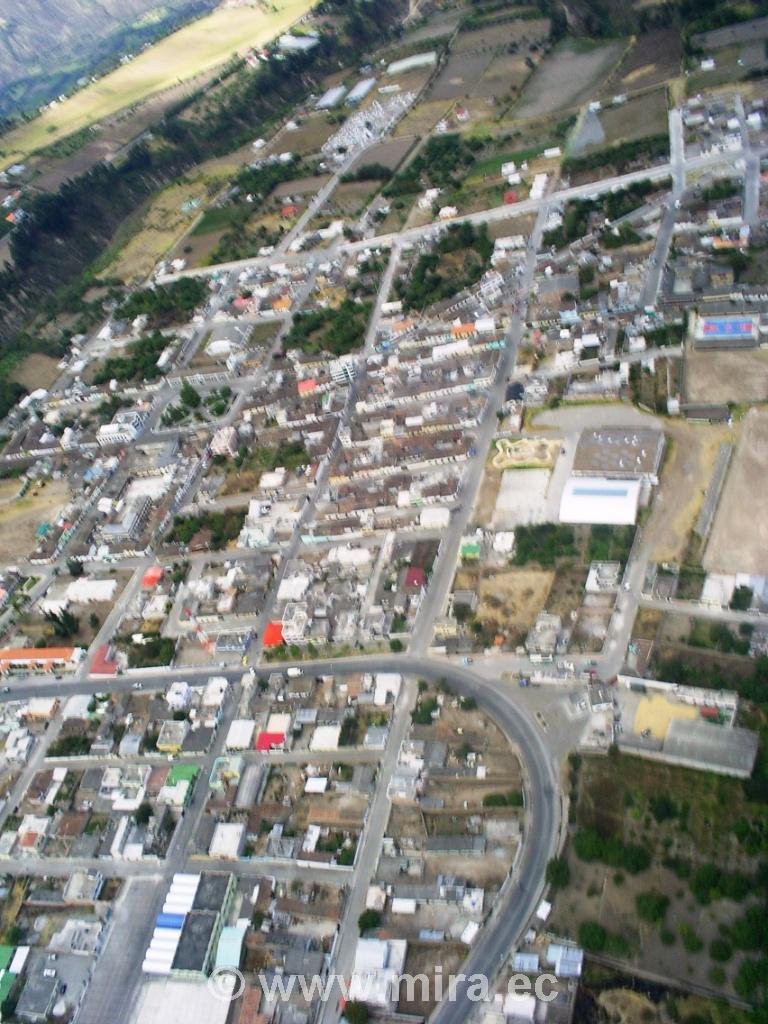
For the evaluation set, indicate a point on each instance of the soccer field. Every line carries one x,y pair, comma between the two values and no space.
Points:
197,47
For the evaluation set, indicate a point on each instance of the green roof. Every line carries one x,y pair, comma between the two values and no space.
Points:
182,773
229,951
7,981
470,548
6,955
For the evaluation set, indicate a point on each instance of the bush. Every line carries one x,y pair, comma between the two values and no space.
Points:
593,937
558,873
651,906
513,799
590,846
368,920
720,950
691,940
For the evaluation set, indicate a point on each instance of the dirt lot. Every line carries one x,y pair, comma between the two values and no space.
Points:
511,599
422,118
301,186
567,590
19,518
36,371
687,471
726,376
423,958
567,76
739,538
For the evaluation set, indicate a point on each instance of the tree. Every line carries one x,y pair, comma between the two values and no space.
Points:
65,624
651,906
368,920
592,936
396,646
188,396
356,1013
94,621
558,873
143,813
75,567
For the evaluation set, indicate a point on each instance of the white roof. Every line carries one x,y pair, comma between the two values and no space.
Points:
293,588
318,784
325,737
280,722
167,999
240,734
522,1007
597,500
227,839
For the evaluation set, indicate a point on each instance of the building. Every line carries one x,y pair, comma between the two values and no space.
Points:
125,427
597,500
376,973
417,60
224,442
619,454
228,841
38,996
40,659
331,98
358,92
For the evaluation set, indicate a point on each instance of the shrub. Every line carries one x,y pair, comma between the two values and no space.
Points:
558,873
651,906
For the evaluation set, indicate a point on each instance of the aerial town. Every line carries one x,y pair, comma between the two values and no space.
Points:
378,609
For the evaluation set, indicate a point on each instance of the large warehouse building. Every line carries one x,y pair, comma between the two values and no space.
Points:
622,453
599,501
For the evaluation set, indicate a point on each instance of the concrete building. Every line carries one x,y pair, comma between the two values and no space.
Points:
125,427
619,454
597,500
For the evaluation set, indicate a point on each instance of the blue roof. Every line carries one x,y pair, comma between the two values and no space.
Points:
229,951
174,921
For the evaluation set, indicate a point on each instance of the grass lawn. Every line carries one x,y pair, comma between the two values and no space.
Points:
204,44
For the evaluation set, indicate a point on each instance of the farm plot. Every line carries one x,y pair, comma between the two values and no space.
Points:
388,153
499,36
739,538
654,59
641,116
307,138
460,76
568,76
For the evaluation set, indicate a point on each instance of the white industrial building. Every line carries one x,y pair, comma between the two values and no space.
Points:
597,500
377,971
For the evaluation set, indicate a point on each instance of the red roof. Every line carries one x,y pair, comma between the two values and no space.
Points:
267,740
273,634
103,664
306,387
152,577
510,197
415,577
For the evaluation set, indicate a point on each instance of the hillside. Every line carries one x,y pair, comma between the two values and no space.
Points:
46,46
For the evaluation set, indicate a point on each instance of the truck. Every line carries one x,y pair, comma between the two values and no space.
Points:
293,673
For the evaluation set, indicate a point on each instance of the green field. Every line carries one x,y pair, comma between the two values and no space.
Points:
198,47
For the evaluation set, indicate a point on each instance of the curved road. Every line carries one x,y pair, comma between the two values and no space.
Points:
521,894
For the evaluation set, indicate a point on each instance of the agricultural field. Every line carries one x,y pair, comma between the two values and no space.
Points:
205,44
36,371
641,116
653,59
309,137
389,153
739,538
460,76
155,229
567,77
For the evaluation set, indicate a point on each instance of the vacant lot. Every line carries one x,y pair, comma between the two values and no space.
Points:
422,118
567,76
726,376
685,820
20,517
494,37
197,47
739,538
689,462
511,599
36,371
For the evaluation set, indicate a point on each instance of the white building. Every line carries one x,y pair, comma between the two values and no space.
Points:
600,501
124,428
376,972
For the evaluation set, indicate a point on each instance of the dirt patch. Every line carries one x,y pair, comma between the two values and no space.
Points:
645,115
687,471
20,517
739,538
388,154
36,371
654,59
307,138
726,376
460,75
566,77
511,599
